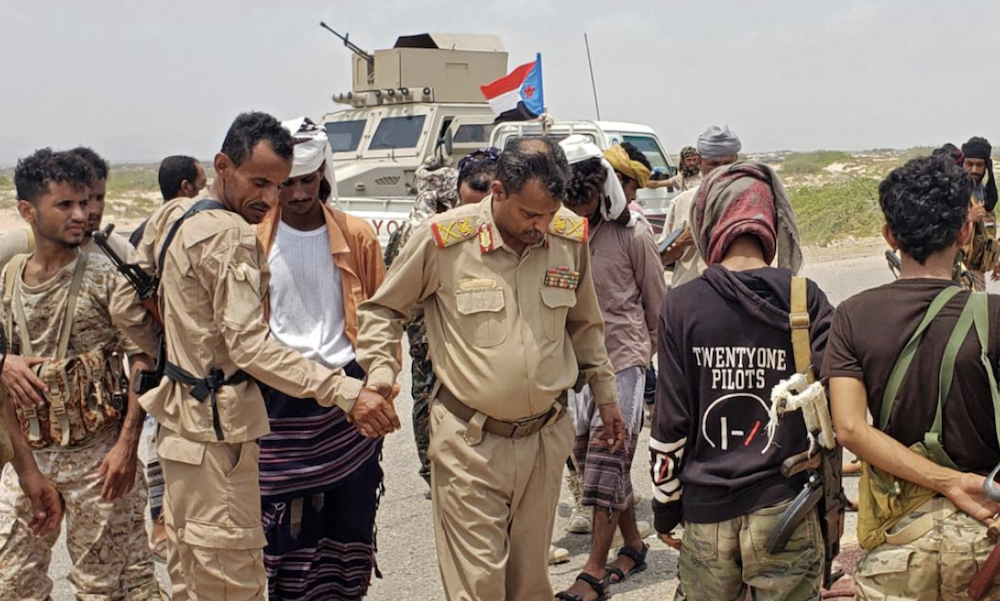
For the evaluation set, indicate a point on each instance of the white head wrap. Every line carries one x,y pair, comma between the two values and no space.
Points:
579,148
718,142
312,150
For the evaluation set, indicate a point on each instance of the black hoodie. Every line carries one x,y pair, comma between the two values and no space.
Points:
724,343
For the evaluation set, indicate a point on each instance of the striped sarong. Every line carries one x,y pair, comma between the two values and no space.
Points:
607,481
320,483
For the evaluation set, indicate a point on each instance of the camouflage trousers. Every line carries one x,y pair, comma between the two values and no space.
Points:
106,539
719,561
422,384
937,564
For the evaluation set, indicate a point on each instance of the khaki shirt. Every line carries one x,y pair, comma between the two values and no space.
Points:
215,276
507,334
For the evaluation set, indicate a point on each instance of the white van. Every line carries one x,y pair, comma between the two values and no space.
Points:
605,134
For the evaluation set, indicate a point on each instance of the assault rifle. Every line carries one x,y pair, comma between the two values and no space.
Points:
146,287
822,461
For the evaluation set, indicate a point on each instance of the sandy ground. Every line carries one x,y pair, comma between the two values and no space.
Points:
406,548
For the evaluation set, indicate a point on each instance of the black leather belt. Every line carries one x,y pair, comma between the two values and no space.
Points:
499,427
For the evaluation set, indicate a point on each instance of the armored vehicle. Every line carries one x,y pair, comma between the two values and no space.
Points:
406,103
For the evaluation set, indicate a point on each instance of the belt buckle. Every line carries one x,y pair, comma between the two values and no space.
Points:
521,429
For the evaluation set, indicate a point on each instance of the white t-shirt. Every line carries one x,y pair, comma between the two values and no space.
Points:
307,302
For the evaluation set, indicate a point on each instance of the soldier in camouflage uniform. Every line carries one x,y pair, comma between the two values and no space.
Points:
437,192
105,533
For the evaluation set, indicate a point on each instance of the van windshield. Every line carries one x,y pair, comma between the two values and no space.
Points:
648,146
397,132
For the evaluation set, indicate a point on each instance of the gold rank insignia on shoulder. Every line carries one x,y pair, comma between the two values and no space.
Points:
562,277
485,238
570,227
452,231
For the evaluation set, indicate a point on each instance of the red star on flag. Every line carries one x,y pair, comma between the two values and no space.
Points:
529,91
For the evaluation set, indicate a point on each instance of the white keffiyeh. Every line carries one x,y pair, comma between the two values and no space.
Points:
579,148
312,151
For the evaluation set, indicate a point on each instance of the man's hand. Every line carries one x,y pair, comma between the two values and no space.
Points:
118,470
374,414
977,213
613,432
967,494
685,240
668,538
45,503
995,276
21,382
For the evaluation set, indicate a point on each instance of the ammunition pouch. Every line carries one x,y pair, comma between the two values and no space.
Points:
84,398
884,500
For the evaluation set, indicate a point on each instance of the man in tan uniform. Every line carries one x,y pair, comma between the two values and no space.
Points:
512,324
213,277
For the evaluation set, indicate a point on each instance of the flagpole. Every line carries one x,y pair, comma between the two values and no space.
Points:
593,84
541,89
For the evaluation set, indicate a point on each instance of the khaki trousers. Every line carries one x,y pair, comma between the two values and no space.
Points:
106,540
211,510
494,506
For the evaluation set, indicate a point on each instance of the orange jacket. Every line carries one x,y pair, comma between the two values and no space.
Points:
356,252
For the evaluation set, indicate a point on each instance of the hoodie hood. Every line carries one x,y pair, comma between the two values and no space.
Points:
764,293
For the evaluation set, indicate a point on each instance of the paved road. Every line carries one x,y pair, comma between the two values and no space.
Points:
406,544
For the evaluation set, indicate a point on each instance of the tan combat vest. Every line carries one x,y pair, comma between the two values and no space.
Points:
85,391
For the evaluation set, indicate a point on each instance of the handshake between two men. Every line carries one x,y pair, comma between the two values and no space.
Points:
374,413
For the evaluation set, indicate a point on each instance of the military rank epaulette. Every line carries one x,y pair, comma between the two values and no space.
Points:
571,227
453,231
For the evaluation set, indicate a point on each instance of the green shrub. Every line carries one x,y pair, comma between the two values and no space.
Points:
807,163
6,183
835,210
133,178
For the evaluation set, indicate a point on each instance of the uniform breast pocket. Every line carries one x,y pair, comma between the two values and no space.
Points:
558,302
482,320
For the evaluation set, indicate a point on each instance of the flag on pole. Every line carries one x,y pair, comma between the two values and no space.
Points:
518,96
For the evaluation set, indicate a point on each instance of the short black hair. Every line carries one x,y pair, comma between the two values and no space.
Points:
34,173
249,129
173,171
636,155
527,158
478,174
588,176
96,162
925,203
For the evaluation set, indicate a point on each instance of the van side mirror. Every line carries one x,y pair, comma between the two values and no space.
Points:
446,142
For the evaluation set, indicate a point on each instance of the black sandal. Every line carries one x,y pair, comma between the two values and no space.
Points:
600,587
639,563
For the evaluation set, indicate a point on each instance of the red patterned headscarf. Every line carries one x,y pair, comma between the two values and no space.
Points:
745,198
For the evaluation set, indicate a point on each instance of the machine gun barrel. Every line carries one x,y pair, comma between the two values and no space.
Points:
351,46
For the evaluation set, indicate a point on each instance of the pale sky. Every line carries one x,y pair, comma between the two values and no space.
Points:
139,80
